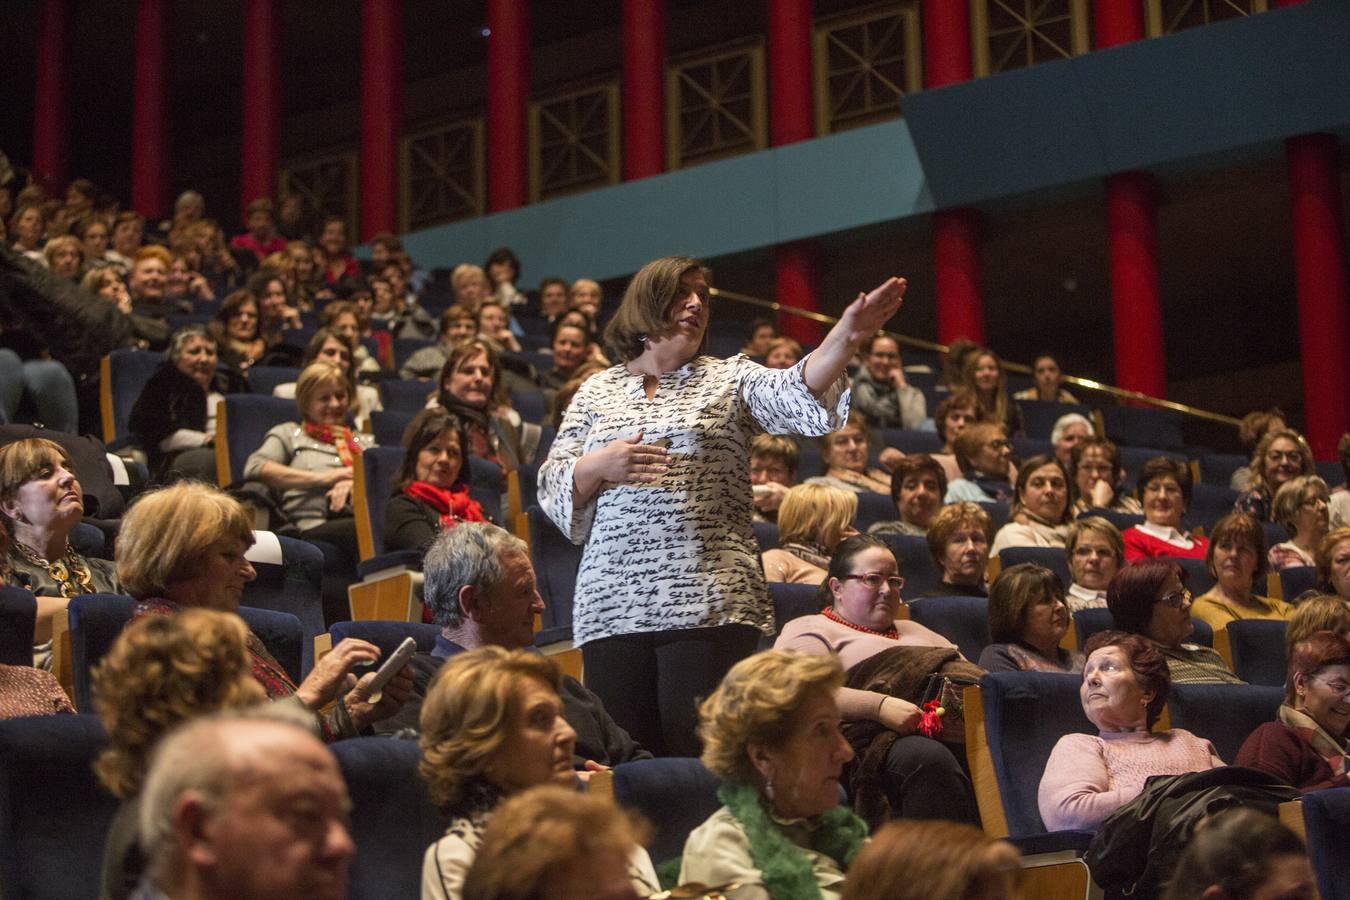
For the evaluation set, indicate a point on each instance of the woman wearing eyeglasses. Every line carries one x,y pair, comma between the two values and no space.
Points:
1306,744
921,777
1164,488
1280,456
844,453
1149,598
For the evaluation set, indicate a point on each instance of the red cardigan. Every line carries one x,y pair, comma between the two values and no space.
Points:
1139,545
1280,751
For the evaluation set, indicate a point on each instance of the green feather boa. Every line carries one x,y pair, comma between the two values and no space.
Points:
838,834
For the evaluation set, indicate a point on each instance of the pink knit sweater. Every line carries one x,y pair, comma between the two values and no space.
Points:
1087,778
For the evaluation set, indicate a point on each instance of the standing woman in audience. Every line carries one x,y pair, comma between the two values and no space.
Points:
652,463
812,521
432,494
1096,553
1280,456
918,485
845,453
1302,505
472,389
1307,744
41,502
1164,489
1028,617
1097,475
1041,511
984,375
958,540
1236,559
237,333
771,732
1333,563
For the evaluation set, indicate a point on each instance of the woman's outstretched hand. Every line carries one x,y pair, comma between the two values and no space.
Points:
870,311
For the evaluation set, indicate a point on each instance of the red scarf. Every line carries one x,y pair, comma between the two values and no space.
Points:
340,437
454,505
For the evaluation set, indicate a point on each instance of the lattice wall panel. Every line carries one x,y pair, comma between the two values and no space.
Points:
441,175
328,185
864,63
1169,16
1015,34
715,106
574,141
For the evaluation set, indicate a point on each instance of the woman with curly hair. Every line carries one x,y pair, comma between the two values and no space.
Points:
1279,457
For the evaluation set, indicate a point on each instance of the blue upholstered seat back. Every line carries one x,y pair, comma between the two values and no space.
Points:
1053,558
916,564
674,794
387,635
294,585
556,560
1258,651
1327,817
962,620
1224,714
249,417
18,612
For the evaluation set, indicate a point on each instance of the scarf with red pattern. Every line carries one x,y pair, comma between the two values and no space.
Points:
454,505
1306,727
339,436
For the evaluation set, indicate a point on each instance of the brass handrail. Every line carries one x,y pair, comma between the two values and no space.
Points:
906,340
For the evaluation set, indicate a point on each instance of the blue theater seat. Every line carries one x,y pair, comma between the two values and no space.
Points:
386,635
18,612
873,508
556,560
1326,814
1258,651
791,601
1039,416
674,794
408,396
1297,579
1223,714
1087,622
916,563
290,580
962,620
1053,558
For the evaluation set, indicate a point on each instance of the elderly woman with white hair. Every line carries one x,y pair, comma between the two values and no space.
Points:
1069,429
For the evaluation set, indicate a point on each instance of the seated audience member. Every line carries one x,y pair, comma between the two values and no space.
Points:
1096,553
1306,745
771,731
1041,511
302,270
1164,489
457,327
336,263
410,319
1254,427
934,861
237,808
308,464
239,340
984,455
432,494
93,233
1149,598
260,238
1027,619
1069,430
494,325
184,283
276,309
503,271
149,280
1125,688
1049,387
1242,854
585,295
984,376
784,353
104,282
759,336
953,414
492,726
812,521
471,388
471,288
64,255
918,485
26,228
1317,612
552,298
571,347
586,322
880,391
1333,563
1280,456
41,502
216,264
183,547
922,778
1340,498
175,415
328,346
1097,474
1235,560
344,319
25,690
161,672
128,231
844,453
1302,505
773,469
958,540
480,589
553,842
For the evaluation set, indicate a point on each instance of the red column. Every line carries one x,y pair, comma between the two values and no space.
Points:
508,90
49,110
1117,22
956,232
1319,273
149,110
791,119
1136,308
262,90
381,113
644,90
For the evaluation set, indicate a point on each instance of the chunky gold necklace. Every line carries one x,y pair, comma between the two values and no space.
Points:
69,571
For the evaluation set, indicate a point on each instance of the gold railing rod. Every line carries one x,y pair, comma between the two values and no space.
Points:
920,343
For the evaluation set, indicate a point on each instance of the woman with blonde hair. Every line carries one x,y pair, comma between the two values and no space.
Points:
64,255
1333,563
771,731
934,861
1302,505
1279,456
812,520
984,374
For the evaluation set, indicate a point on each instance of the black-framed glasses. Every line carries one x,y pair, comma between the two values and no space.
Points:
875,580
1176,599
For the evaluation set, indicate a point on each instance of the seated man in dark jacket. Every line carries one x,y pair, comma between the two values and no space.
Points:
480,587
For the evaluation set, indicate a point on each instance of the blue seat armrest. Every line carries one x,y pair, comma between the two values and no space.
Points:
1052,842
545,636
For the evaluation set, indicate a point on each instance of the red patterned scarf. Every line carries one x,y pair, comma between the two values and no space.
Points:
1306,727
454,505
339,436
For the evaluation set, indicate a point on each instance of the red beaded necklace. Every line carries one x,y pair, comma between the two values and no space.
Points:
829,613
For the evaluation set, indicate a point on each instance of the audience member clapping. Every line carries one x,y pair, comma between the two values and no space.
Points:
773,469
1242,854
771,731
1302,505
934,861
1150,599
1041,511
918,485
845,453
1164,489
984,455
1306,746
1236,558
1028,618
1069,430
471,388
1097,474
432,494
1125,687
880,391
958,540
1096,553
812,521
1333,563
1280,456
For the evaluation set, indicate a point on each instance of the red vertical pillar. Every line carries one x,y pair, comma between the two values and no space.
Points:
49,110
149,110
381,113
262,90
956,232
644,93
791,119
508,90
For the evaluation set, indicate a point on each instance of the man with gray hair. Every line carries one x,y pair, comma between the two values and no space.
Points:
480,587
239,808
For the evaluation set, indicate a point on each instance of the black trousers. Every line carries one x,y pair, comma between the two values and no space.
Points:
651,684
925,779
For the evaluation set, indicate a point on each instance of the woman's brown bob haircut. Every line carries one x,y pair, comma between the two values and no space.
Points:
644,310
